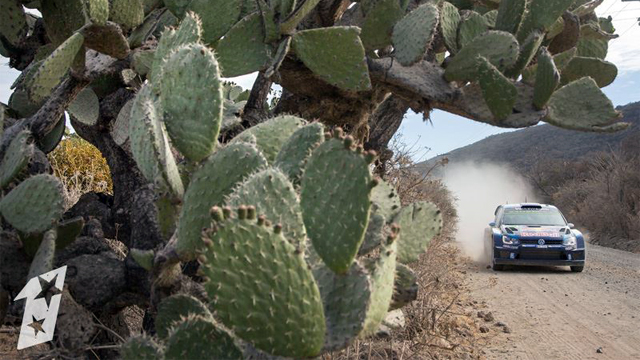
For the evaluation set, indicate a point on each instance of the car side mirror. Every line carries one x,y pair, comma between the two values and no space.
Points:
570,225
492,224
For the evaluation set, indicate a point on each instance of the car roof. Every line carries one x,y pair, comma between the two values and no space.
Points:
529,205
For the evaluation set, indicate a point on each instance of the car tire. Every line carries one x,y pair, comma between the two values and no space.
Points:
577,268
498,267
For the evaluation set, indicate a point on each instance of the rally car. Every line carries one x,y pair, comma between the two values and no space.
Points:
533,234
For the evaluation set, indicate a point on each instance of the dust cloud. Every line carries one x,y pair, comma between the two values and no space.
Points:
479,189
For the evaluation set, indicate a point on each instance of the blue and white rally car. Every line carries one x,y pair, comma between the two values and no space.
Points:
533,234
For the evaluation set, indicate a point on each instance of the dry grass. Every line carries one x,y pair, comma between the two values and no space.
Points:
600,193
81,168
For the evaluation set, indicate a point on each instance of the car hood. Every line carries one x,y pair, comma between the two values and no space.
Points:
525,231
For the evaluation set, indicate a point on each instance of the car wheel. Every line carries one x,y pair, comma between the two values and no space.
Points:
577,268
487,251
494,266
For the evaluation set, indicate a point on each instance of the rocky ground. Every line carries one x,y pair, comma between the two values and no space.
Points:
551,313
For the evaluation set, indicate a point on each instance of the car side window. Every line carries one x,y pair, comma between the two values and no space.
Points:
499,213
498,218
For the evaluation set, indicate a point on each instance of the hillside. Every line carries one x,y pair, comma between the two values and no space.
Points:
523,148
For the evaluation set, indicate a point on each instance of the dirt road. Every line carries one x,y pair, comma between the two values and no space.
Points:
555,314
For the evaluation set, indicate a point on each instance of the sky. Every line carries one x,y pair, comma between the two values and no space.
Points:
445,131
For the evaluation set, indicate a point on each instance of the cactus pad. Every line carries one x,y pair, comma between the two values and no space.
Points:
242,50
262,289
43,259
562,59
603,72
120,130
150,144
62,18
34,205
142,61
217,17
13,23
547,79
382,272
85,108
144,258
593,41
285,7
174,309
271,192
510,14
335,55
335,199
127,13
199,338
54,67
107,39
385,200
375,234
346,299
500,48
225,168
168,209
53,138
271,30
498,92
413,34
68,230
98,11
272,134
581,105
140,347
294,153
379,22
491,16
189,31
527,51
419,223
290,23
541,15
16,158
449,21
191,97
473,25
405,287
177,7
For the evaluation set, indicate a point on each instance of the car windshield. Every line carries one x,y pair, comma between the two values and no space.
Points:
548,217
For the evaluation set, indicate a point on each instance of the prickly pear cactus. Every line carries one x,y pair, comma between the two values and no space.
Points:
315,246
337,177
225,168
253,293
419,223
190,75
196,337
16,158
34,205
273,195
140,347
174,309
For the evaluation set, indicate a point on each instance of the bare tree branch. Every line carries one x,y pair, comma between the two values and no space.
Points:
254,110
424,87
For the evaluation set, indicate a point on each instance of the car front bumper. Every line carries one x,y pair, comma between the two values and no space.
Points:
551,255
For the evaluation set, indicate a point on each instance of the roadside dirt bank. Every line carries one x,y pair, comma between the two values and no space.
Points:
552,313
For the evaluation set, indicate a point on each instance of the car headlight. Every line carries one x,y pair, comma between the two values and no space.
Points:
570,241
508,241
